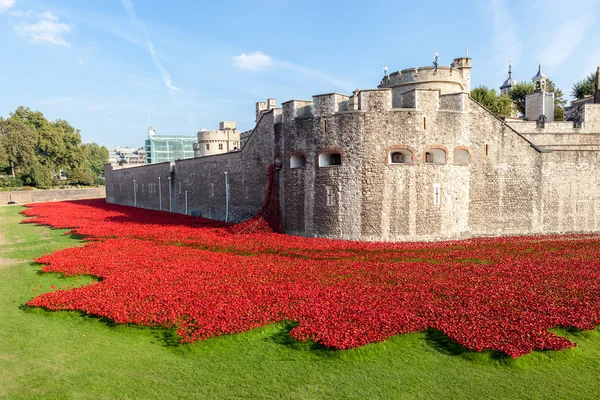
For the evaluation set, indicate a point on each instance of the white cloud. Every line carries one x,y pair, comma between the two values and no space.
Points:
45,29
258,61
564,41
252,61
80,61
128,5
5,5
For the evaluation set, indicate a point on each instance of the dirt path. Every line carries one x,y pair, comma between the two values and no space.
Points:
7,262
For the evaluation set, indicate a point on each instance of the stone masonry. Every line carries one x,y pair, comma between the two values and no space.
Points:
415,159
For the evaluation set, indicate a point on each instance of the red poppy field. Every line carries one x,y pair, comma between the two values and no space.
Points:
205,278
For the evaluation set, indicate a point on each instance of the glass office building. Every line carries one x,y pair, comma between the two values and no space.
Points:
163,148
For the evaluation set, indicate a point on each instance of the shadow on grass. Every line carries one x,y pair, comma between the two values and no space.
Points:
165,337
283,337
443,344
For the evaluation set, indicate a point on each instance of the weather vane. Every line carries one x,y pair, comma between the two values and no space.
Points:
509,66
435,61
385,70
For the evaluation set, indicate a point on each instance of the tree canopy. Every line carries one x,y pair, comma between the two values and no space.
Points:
498,105
584,87
37,151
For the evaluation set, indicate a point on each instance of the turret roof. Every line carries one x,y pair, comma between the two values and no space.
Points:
539,75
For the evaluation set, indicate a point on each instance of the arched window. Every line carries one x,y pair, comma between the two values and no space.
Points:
400,156
435,156
461,156
330,159
297,160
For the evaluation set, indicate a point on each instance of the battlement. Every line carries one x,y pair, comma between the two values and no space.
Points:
370,100
223,125
453,79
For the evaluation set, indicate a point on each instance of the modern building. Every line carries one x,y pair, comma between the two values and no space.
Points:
165,148
127,156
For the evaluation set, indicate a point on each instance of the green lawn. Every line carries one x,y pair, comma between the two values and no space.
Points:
58,355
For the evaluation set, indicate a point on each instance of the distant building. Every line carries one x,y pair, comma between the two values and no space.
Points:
226,139
126,156
163,148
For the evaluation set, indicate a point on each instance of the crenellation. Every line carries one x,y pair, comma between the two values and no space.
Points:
414,159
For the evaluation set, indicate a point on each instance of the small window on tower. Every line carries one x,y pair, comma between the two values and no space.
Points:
220,146
207,146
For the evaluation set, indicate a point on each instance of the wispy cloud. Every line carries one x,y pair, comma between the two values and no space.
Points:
568,31
128,5
564,41
43,28
252,61
5,5
506,42
258,60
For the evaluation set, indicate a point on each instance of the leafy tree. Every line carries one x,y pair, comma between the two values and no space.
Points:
81,176
497,105
559,101
38,175
584,87
518,93
95,157
18,142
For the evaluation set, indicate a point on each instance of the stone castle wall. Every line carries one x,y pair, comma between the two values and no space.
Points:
518,178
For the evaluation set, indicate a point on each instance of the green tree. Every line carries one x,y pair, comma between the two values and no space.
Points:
518,94
559,101
81,176
95,157
497,105
18,142
584,87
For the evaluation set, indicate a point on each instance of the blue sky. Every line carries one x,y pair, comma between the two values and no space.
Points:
104,65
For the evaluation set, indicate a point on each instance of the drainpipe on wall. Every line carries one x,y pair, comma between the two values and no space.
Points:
134,195
226,197
169,194
159,195
186,203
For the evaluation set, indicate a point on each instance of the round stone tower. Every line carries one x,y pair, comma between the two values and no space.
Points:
453,79
224,140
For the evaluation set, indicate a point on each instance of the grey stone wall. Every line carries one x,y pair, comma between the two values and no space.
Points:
203,179
512,184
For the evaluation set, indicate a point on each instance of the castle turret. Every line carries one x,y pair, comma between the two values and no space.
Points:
539,106
224,140
509,83
448,80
